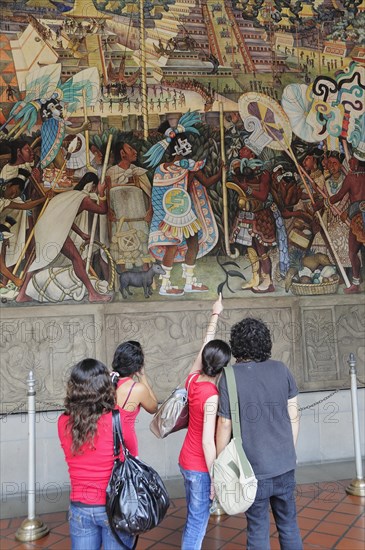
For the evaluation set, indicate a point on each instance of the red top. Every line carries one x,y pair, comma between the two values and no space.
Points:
192,455
128,419
90,468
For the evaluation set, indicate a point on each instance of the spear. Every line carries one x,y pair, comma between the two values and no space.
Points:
87,150
224,186
287,148
71,148
96,216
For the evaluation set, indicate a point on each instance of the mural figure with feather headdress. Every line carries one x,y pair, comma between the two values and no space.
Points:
46,97
183,227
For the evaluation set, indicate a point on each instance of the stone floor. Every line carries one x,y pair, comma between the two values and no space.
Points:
329,519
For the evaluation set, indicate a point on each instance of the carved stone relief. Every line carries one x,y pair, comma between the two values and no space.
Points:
312,338
330,334
48,346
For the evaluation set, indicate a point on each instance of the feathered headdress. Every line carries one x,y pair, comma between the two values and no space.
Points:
184,125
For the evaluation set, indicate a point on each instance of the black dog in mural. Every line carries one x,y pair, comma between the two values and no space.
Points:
139,279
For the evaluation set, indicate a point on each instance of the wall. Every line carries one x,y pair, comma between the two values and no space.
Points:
312,337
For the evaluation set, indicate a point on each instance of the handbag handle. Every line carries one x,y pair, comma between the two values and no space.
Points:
235,417
118,439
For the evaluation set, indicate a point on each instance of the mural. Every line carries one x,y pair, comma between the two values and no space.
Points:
165,149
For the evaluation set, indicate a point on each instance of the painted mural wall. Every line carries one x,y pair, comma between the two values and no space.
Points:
170,150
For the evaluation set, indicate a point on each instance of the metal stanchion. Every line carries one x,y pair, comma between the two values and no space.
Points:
216,509
357,486
31,528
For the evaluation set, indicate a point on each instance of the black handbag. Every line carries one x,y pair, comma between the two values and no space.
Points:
136,497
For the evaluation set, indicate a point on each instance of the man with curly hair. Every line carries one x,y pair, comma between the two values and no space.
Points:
267,405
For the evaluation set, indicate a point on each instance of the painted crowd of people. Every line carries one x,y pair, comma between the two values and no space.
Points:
170,219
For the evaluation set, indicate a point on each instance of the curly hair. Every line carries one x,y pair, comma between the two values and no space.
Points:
215,356
250,340
90,393
128,358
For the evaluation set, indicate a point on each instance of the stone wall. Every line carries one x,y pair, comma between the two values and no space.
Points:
312,335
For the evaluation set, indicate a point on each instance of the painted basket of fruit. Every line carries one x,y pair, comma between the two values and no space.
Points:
315,289
312,275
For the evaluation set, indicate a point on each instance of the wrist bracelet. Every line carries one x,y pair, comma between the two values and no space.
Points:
102,198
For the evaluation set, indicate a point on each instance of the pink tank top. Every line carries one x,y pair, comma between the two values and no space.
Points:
128,419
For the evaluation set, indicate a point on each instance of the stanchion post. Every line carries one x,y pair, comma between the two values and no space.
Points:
357,486
31,528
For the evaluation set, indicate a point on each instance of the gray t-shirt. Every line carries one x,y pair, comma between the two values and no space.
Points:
263,392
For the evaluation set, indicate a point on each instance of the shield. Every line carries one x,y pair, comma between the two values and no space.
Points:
298,104
271,116
129,233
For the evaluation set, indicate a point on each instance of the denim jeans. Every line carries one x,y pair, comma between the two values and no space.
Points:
279,492
197,489
89,529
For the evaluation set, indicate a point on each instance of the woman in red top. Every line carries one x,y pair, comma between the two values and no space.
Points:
199,451
86,435
128,362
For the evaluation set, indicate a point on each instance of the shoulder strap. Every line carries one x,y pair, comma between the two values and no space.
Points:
235,417
129,393
117,434
191,377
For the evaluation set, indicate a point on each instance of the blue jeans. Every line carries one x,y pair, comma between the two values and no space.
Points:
197,489
279,492
89,528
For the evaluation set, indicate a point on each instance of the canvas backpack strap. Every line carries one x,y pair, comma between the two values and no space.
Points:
235,417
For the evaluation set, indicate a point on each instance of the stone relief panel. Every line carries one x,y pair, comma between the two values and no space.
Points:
313,339
171,340
350,325
49,346
330,334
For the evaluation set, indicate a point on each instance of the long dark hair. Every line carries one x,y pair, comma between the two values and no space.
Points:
128,358
89,177
90,393
215,356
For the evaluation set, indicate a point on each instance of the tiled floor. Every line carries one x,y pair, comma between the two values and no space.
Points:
328,518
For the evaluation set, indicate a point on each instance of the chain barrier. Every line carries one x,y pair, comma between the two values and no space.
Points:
17,408
59,406
52,405
324,398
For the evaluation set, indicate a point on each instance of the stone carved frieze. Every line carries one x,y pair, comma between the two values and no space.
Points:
330,334
172,340
48,346
313,338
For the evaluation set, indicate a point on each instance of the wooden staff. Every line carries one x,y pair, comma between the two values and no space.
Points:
333,207
321,222
224,187
87,150
71,149
144,90
96,216
290,152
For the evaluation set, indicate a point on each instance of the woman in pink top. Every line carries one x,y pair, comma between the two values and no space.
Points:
128,365
199,450
86,435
